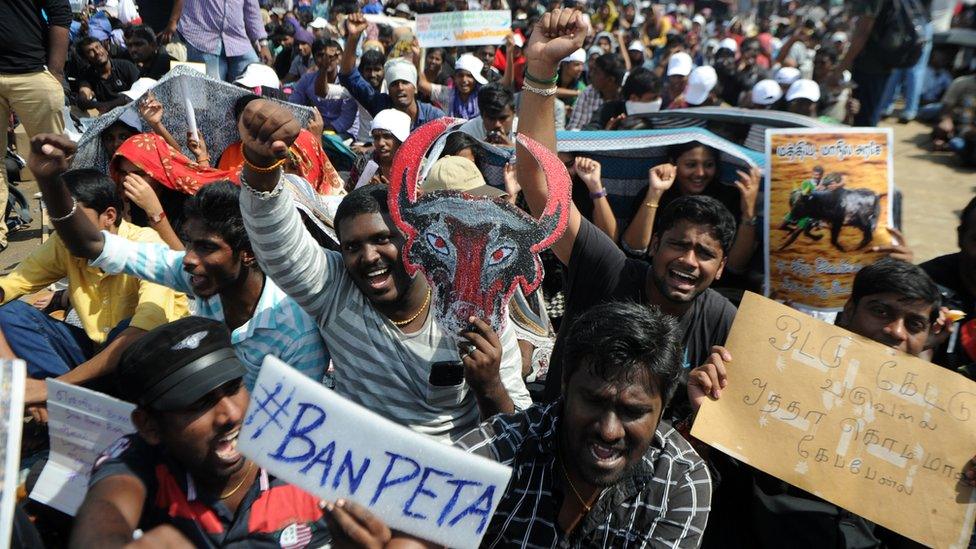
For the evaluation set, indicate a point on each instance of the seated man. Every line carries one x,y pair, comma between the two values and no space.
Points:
217,265
115,310
180,479
390,128
101,85
892,302
375,318
956,117
153,61
689,251
497,122
319,89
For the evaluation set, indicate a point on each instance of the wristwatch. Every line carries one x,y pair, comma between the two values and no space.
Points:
154,219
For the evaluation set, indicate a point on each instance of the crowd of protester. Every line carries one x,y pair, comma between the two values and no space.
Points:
182,267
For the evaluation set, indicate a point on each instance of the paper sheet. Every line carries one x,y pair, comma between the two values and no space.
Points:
875,431
12,374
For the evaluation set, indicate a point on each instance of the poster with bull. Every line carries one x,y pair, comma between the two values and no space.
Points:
828,204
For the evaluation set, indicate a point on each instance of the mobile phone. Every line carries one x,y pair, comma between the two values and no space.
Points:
446,373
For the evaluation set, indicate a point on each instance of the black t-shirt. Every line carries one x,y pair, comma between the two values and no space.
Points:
155,13
24,32
124,73
157,66
945,271
599,271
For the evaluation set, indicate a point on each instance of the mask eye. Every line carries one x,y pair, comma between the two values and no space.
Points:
500,254
438,244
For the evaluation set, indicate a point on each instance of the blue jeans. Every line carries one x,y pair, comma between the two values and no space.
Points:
219,65
910,81
48,346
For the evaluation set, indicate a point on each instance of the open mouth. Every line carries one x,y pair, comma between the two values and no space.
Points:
606,456
379,278
196,281
226,448
682,281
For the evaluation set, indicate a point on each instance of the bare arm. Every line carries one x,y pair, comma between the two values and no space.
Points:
556,35
57,51
508,76
109,514
745,236
589,171
638,235
419,55
355,25
861,33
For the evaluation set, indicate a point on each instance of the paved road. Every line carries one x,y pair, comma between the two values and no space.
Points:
935,189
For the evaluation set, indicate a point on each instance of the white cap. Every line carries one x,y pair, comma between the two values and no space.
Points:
766,92
839,37
139,87
636,46
319,23
402,6
399,69
804,89
393,121
729,44
594,50
699,18
472,64
680,64
257,74
578,55
700,83
787,75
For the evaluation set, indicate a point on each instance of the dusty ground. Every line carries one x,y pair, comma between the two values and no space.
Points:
935,188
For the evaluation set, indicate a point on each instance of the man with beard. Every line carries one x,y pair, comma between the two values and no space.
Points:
400,76
893,303
181,479
217,266
144,51
689,251
102,83
389,353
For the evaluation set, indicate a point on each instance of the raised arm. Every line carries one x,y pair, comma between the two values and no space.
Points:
419,58
589,171
49,159
355,26
637,237
745,236
557,34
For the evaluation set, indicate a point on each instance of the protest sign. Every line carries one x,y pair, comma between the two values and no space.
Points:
463,28
875,431
12,374
311,437
828,202
82,423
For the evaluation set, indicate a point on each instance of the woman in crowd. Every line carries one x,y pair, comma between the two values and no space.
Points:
695,170
571,81
461,101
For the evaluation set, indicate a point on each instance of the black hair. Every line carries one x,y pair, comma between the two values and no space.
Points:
94,190
964,218
676,151
639,82
88,40
620,340
144,32
218,207
372,58
493,99
894,276
675,39
457,142
612,65
321,43
700,210
828,51
367,199
242,103
384,31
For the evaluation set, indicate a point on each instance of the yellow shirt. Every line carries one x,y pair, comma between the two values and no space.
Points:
101,300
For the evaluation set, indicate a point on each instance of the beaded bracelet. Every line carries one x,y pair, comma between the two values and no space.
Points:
261,169
544,92
74,208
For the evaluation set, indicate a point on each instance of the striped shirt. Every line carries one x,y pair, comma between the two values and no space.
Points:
227,28
279,327
662,501
588,103
376,364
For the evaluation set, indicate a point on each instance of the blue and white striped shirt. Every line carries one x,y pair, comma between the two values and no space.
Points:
279,326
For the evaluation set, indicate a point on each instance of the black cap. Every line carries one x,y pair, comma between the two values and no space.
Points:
176,364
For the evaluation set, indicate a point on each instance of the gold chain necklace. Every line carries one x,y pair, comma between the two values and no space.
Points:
414,317
247,474
579,498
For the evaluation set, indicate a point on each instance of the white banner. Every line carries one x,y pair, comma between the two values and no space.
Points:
463,28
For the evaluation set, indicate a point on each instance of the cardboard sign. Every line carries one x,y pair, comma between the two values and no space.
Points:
311,437
463,28
12,375
875,431
81,424
828,203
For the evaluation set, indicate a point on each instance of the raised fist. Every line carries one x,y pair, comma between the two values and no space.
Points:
50,155
267,131
356,24
557,34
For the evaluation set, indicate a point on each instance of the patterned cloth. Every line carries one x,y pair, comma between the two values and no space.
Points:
279,327
588,103
662,502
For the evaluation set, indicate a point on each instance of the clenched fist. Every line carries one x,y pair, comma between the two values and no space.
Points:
267,131
50,155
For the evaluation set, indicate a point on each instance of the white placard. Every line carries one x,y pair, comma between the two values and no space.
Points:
12,375
313,438
463,28
81,424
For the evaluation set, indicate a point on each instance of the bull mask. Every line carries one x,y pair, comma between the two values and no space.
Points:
473,250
